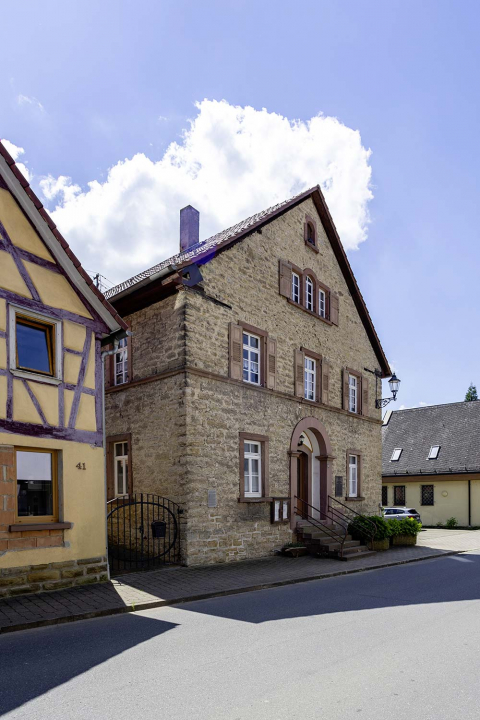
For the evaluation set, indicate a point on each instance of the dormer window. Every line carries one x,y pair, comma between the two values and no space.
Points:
309,293
433,454
396,454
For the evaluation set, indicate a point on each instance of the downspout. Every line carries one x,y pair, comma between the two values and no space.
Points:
469,504
104,434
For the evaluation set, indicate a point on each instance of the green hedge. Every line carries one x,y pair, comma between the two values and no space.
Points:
360,528
408,526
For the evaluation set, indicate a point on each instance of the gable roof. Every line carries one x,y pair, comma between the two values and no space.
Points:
455,427
17,184
202,252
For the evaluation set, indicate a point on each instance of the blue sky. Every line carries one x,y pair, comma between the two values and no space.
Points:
85,85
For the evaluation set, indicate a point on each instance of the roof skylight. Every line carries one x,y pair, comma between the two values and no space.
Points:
396,454
433,454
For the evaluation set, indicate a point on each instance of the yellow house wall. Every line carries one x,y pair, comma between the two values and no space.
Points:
453,504
81,502
19,229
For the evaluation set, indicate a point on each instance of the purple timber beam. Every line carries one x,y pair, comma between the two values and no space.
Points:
34,400
9,408
3,334
99,386
74,352
12,250
81,379
47,264
54,312
55,433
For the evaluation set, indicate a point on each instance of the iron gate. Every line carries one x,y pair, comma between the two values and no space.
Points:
143,532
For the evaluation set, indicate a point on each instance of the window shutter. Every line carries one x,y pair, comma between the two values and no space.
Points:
334,308
299,373
345,389
109,365
365,395
285,274
235,352
325,381
271,363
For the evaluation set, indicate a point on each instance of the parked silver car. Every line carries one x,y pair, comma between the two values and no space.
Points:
400,513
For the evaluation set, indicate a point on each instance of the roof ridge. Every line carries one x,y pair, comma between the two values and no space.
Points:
428,407
57,235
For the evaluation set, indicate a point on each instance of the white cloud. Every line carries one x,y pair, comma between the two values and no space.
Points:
30,101
16,152
230,163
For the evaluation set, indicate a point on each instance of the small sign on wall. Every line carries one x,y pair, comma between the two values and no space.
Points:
338,486
280,510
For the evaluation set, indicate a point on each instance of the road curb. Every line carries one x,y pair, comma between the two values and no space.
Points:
136,607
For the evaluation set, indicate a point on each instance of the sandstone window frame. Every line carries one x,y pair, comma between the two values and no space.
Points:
310,234
296,287
362,392
349,496
263,441
252,352
112,440
54,469
287,270
19,315
121,461
309,291
121,358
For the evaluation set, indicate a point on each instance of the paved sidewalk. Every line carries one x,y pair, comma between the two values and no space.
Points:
140,591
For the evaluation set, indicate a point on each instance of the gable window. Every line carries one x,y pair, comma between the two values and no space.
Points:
310,233
384,495
295,287
396,454
309,293
427,495
353,393
399,495
251,358
35,344
36,473
353,475
121,469
310,372
121,363
433,454
322,303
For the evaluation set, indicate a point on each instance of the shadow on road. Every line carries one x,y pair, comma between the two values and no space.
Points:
54,656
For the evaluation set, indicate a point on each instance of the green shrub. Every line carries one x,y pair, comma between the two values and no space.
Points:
439,524
452,522
361,528
409,526
293,545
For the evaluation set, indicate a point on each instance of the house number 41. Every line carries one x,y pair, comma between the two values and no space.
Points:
81,466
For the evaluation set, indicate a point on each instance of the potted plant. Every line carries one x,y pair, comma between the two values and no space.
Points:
294,549
361,529
404,532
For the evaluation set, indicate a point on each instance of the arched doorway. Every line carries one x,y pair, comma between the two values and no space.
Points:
310,469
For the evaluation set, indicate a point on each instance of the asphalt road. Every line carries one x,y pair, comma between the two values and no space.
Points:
392,643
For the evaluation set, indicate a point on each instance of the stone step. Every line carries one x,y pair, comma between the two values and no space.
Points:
324,536
331,543
354,550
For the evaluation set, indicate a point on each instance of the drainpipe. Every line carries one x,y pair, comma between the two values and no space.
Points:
104,433
469,503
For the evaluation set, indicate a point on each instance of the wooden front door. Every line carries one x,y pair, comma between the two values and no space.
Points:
302,484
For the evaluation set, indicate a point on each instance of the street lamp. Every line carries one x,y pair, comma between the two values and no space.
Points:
394,382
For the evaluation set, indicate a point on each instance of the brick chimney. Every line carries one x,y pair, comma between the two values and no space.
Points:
189,227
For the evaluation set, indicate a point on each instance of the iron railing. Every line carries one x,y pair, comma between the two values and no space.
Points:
143,532
303,509
344,515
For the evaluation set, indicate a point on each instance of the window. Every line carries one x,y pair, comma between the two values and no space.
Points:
251,358
384,495
295,287
36,472
252,478
353,475
309,293
310,233
121,469
121,363
427,495
399,495
35,345
396,454
433,454
310,373
322,304
353,393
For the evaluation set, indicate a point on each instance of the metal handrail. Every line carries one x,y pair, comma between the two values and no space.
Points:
370,525
336,536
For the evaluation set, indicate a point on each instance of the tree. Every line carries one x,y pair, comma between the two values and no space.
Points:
471,393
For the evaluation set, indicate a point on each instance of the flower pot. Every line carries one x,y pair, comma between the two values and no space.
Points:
295,551
404,540
380,545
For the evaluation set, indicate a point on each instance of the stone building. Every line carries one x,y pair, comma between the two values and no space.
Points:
247,392
52,323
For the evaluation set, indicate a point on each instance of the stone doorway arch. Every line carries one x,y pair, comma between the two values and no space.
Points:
314,432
